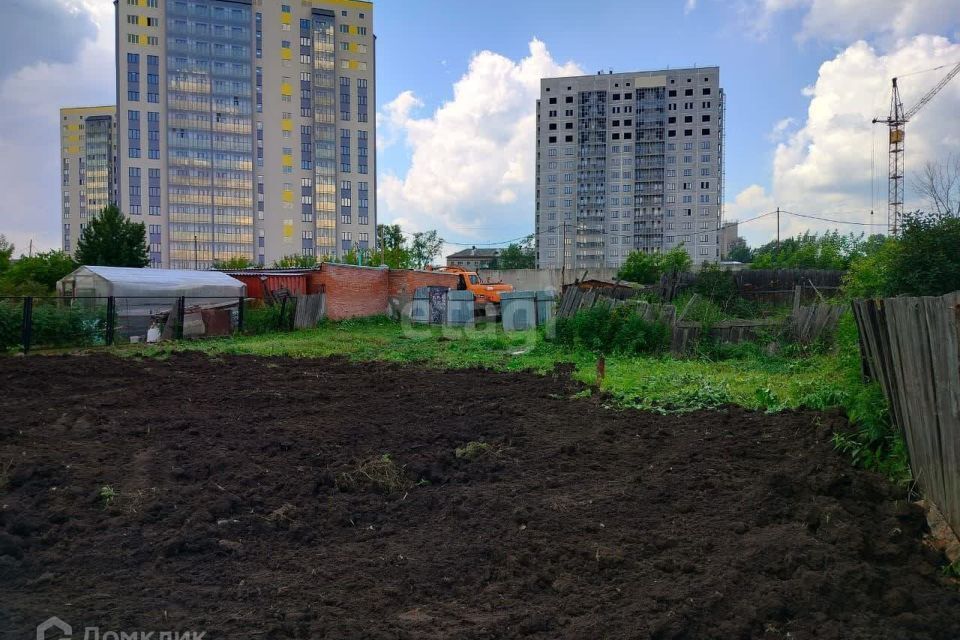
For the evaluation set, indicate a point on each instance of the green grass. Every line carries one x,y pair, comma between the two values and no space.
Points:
744,375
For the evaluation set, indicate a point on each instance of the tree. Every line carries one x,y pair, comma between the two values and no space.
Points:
232,264
6,253
110,240
646,268
425,247
922,261
295,261
393,250
675,261
518,255
739,251
939,184
832,250
640,267
36,275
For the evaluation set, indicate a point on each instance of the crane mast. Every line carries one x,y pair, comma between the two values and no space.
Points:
896,122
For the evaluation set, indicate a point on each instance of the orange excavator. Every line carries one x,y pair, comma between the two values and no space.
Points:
483,293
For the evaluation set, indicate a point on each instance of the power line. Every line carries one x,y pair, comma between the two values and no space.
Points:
804,215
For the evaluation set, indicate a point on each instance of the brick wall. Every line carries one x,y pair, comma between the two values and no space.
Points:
403,282
353,291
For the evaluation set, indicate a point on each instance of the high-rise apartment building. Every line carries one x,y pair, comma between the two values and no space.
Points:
246,127
629,162
88,156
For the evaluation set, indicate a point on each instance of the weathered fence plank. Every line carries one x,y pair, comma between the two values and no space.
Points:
911,346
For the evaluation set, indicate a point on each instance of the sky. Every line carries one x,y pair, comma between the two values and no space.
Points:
457,83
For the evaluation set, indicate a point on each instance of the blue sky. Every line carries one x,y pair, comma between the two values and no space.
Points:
763,78
457,83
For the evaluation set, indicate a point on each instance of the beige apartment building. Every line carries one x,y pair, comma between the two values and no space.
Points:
88,156
245,128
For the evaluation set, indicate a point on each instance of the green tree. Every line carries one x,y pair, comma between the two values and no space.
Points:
646,268
295,261
425,247
927,259
392,249
518,255
36,275
640,267
869,274
110,240
6,253
739,251
233,264
923,260
831,250
675,261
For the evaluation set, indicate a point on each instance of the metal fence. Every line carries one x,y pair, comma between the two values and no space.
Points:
45,322
911,346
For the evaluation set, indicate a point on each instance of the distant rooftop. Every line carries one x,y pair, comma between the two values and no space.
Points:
474,252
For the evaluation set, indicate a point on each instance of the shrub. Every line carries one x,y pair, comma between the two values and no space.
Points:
922,261
621,330
646,268
259,318
11,319
53,325
716,284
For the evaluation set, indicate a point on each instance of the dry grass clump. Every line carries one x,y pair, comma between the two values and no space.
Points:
476,450
381,473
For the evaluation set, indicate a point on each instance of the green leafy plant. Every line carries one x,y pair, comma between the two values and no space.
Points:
475,450
107,495
620,330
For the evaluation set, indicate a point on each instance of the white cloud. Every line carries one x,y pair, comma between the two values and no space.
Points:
781,128
824,166
471,170
30,99
689,6
847,20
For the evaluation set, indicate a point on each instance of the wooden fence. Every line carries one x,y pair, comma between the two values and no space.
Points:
911,346
773,286
806,324
310,310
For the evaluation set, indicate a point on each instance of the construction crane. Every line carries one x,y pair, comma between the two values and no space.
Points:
897,121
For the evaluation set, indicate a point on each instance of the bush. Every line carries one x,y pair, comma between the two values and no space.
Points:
716,284
646,268
621,330
11,319
259,318
922,261
53,325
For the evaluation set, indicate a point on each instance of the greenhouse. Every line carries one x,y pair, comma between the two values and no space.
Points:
143,299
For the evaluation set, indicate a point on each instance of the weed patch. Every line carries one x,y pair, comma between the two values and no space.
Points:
382,474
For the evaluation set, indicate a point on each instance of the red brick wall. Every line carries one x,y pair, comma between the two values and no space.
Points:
403,282
353,291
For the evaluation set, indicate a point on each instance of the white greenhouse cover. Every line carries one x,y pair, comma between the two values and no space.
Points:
149,287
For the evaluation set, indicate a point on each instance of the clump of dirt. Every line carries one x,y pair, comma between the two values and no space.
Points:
251,497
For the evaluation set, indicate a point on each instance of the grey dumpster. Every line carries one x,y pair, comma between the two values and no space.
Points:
546,302
420,306
519,310
459,308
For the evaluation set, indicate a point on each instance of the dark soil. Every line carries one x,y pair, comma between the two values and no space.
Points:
239,508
